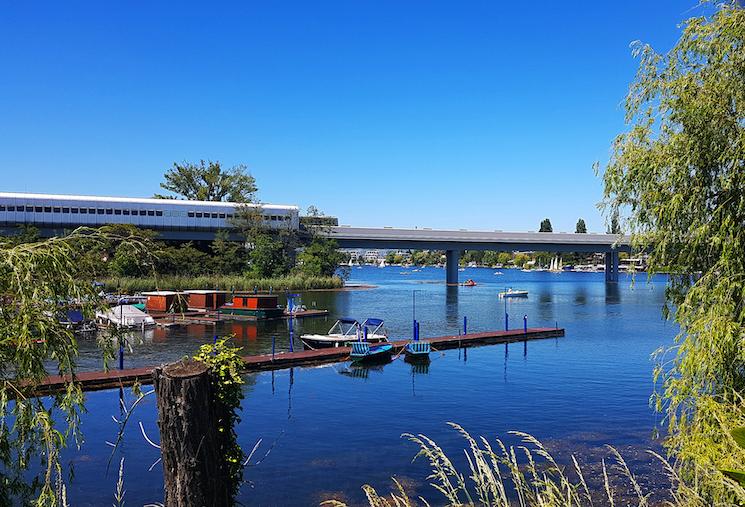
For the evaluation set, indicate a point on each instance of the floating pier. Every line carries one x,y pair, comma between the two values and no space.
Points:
97,380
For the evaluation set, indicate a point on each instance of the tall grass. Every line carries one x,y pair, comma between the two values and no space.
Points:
222,282
529,476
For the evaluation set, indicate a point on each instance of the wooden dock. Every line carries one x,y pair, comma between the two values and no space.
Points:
97,380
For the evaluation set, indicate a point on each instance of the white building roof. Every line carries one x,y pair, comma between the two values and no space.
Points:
134,200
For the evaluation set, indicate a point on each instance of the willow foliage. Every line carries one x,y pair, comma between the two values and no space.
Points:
39,282
678,174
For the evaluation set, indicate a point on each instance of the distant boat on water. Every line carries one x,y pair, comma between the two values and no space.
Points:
556,265
513,293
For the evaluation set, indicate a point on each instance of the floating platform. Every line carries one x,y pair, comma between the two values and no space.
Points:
97,380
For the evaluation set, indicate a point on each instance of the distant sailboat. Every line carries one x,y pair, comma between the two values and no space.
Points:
382,263
556,265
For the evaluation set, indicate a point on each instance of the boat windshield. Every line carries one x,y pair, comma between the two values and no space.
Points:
345,327
373,326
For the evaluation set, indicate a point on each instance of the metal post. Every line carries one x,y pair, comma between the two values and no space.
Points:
525,324
274,338
465,325
121,353
417,330
292,334
506,321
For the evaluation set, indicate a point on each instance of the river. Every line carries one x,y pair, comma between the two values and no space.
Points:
330,429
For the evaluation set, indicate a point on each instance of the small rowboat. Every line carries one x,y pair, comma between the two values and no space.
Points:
417,351
469,283
367,352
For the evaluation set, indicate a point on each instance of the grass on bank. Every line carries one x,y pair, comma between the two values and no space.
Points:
221,282
529,476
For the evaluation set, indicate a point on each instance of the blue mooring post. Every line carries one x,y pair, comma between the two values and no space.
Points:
413,329
506,321
274,338
292,333
417,331
525,324
465,325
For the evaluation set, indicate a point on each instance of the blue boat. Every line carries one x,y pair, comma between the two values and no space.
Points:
370,352
417,351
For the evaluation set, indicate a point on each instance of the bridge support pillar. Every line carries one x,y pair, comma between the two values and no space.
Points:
452,258
611,266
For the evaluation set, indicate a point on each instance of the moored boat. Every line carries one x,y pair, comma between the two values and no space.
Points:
469,283
417,351
370,352
345,331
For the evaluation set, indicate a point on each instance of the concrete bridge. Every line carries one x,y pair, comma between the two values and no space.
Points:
454,242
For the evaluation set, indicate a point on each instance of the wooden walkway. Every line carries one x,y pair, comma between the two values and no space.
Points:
97,380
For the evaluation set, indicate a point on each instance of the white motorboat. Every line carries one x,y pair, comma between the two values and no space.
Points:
513,293
124,316
345,331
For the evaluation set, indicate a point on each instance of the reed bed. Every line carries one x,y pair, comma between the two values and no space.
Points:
529,476
221,282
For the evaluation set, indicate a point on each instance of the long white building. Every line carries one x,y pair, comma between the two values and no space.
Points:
59,212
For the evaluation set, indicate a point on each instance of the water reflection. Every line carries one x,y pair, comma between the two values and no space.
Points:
451,305
612,293
359,371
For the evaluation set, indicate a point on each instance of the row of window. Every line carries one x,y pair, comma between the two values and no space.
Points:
128,212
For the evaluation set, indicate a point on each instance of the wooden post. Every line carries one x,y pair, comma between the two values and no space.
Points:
194,468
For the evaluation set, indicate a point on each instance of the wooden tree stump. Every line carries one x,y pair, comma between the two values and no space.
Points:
193,469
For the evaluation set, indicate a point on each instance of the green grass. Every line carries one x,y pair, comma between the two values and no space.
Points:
235,282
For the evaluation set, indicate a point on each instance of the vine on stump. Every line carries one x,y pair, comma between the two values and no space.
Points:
225,365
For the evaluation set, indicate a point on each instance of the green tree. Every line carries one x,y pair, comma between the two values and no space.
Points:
504,258
678,173
268,257
615,225
581,228
320,258
228,257
546,226
208,181
520,259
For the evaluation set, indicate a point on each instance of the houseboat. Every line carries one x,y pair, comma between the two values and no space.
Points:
256,306
206,299
165,301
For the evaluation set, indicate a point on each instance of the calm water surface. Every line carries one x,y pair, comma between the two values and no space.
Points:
328,430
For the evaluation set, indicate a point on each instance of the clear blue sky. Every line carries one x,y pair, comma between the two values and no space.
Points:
485,115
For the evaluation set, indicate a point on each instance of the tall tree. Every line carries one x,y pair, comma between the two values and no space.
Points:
546,226
208,181
320,258
614,227
581,228
679,175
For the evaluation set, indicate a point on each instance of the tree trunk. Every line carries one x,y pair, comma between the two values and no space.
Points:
193,469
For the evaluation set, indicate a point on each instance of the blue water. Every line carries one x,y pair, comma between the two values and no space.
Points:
328,430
